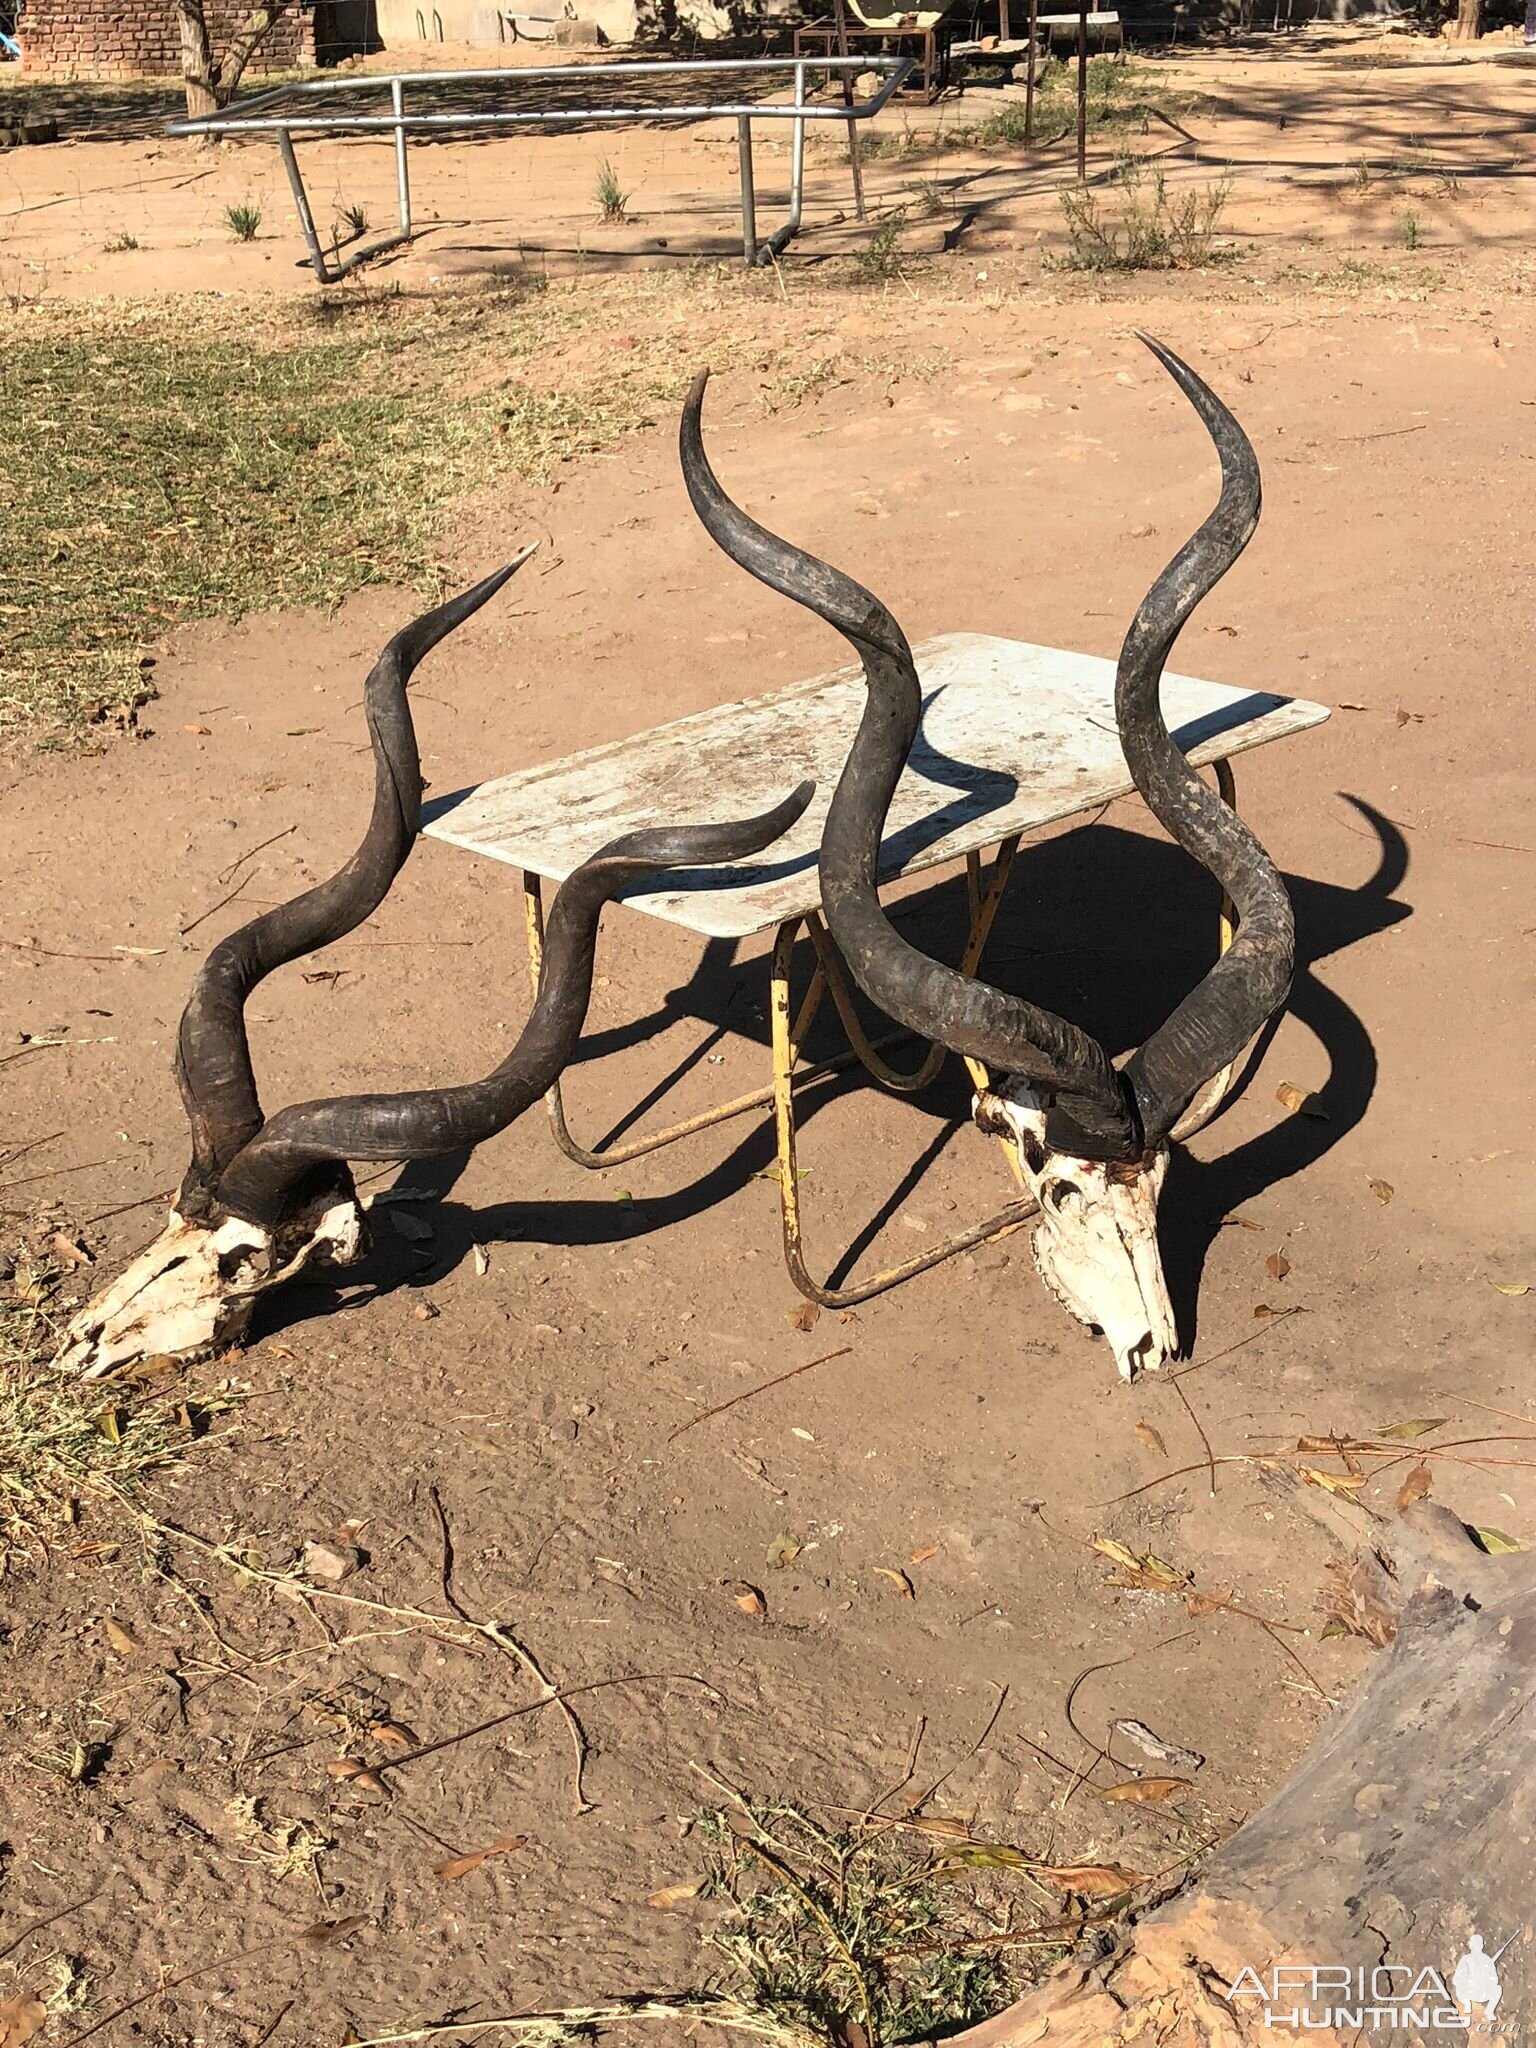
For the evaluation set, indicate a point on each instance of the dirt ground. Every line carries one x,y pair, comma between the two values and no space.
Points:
1021,469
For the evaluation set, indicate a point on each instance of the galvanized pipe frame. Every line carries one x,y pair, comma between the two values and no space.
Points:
401,122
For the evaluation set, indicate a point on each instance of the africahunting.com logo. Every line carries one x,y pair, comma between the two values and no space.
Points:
1310,1998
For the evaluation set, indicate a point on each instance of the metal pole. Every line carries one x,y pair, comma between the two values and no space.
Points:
748,194
853,130
1029,73
402,168
301,202
1082,91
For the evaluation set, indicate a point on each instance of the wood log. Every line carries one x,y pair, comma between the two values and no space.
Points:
1392,1874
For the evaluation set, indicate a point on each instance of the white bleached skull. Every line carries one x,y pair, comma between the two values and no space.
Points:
1096,1242
191,1293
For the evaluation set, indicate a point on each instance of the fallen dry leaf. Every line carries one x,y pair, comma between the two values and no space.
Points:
1381,1189
1277,1265
68,1252
1152,1438
783,1551
1415,1486
1299,1101
1405,1432
673,1895
749,1600
941,1828
922,1556
1495,1542
1198,1605
395,1732
1515,1287
324,1932
21,2018
1091,1880
353,1771
805,1317
1148,1791
202,730
898,1579
1261,1309
453,1867
984,1856
1146,1570
1408,717
121,1641
1334,1482
482,1260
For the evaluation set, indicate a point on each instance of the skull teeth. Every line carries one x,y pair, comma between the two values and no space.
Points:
1050,1281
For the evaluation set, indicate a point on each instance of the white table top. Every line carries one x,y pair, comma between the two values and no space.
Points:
1013,737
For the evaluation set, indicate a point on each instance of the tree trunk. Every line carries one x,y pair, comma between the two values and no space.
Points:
1392,1873
196,58
210,86
1469,20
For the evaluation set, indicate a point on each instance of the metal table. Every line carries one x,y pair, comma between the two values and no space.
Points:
285,111
1013,737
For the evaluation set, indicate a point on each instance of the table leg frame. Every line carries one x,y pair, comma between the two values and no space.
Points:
788,1029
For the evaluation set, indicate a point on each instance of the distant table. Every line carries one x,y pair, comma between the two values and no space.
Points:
932,40
1013,737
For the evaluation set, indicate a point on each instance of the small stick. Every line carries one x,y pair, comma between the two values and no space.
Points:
123,1208
30,1179
31,1145
735,1400
229,875
916,1805
277,2020
1262,1331
1210,1455
205,915
38,1925
511,1647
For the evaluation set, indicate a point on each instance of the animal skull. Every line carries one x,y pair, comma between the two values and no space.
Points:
1096,1242
190,1294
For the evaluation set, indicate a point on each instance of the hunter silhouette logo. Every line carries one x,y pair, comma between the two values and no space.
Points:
1386,1997
1475,1980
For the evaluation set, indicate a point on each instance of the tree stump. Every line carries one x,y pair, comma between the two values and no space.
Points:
1394,1873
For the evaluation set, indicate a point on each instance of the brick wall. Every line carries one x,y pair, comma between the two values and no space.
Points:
68,39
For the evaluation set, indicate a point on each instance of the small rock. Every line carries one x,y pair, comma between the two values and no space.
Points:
332,1562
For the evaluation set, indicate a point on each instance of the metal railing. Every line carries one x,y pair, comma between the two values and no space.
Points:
261,115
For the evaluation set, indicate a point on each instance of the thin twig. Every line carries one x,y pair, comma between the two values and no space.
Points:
171,1984
1210,1455
123,1208
31,1179
271,2028
31,1145
37,1926
917,1805
203,917
511,1647
1253,1336
752,1392
235,866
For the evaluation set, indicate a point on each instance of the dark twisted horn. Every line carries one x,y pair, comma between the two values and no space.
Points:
213,1058
299,1144
1092,1115
1253,977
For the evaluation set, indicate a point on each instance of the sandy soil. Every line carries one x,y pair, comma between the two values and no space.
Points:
1342,141
1033,487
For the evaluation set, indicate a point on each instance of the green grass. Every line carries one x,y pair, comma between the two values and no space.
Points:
1140,222
854,1925
165,465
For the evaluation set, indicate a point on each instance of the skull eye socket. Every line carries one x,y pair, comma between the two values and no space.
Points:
1030,1150
1061,1195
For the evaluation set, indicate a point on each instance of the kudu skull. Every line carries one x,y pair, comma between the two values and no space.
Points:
265,1196
1092,1141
